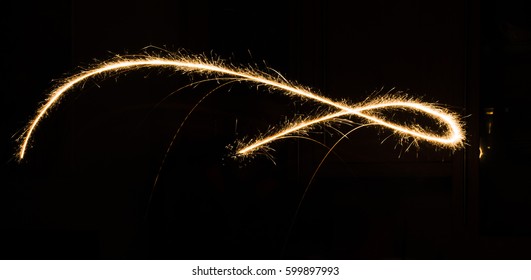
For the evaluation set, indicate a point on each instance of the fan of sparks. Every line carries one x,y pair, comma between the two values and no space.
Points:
451,137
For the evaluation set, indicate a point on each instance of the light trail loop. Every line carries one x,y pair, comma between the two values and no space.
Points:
453,138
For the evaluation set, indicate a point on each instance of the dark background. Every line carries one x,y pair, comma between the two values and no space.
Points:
86,188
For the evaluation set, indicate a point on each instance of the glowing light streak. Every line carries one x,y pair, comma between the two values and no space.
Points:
453,138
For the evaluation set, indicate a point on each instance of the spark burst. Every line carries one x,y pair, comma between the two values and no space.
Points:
452,138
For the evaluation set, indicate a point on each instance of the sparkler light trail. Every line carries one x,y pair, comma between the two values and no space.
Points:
367,111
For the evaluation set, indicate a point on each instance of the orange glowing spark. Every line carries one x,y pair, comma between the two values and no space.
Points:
453,138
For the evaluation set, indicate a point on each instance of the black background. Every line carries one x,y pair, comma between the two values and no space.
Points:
86,188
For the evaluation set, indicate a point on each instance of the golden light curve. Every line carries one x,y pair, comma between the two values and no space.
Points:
453,138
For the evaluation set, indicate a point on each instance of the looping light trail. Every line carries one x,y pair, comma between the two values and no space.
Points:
453,138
